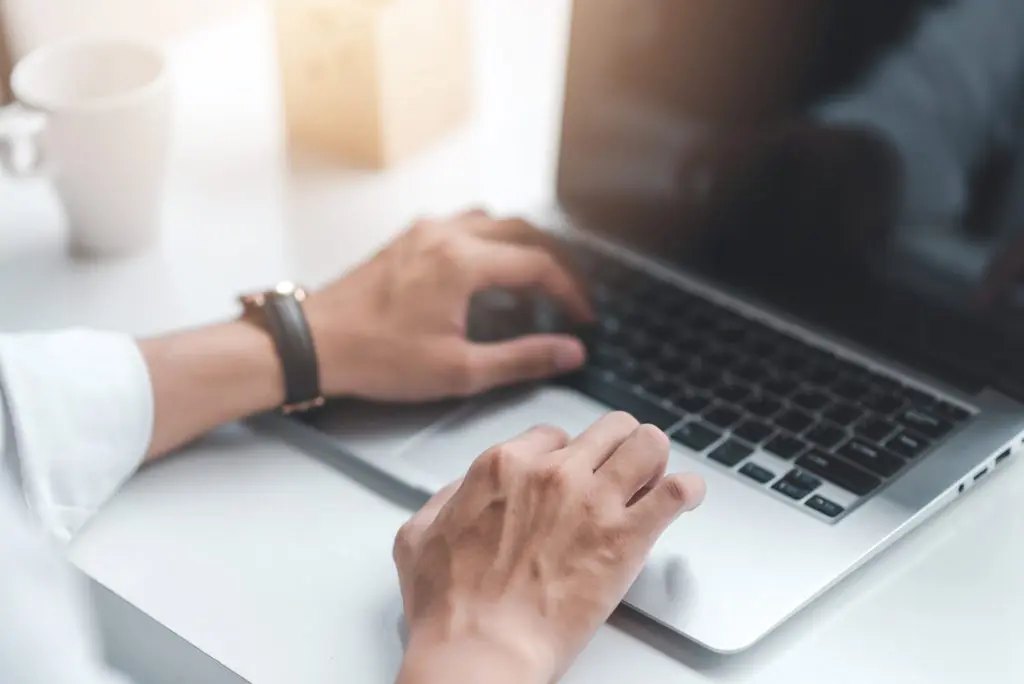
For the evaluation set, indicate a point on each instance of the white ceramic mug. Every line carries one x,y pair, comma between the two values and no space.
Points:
94,115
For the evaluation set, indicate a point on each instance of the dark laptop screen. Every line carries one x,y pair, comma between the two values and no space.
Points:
857,161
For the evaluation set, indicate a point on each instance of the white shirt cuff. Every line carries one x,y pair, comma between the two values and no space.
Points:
81,409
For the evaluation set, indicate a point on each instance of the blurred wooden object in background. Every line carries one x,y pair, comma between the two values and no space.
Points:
370,82
6,64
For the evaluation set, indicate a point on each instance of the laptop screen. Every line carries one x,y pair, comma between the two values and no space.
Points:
857,162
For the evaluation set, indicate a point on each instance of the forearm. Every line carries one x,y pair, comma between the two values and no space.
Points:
207,377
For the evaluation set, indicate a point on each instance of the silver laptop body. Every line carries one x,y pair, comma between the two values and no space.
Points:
901,426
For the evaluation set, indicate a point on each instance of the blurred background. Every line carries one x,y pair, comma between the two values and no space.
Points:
31,23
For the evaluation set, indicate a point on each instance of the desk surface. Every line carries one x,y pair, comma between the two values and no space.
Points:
280,567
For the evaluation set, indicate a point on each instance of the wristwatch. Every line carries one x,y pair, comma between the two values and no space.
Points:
280,312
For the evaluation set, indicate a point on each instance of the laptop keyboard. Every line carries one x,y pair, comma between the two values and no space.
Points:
729,387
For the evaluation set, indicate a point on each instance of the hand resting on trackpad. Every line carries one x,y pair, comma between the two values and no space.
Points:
546,533
444,452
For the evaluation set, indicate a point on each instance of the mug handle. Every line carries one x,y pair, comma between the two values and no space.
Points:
20,150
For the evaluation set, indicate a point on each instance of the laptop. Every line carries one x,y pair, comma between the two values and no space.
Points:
793,279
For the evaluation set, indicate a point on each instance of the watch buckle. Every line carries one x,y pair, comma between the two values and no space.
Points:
303,406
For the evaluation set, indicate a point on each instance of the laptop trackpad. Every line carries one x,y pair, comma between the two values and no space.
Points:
447,448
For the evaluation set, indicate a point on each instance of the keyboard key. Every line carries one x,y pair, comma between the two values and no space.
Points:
702,379
677,362
787,447
723,416
839,472
730,453
794,363
794,421
751,371
753,431
659,386
622,399
850,389
825,436
605,357
757,473
781,387
764,407
762,346
790,490
696,436
722,358
811,400
843,414
925,423
825,507
690,402
733,334
950,412
821,374
641,346
908,445
690,344
875,429
632,374
732,393
886,404
875,459
799,478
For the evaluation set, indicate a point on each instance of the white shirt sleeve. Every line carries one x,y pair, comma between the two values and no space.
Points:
81,417
76,413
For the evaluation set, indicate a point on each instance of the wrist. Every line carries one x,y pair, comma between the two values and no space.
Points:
207,377
473,660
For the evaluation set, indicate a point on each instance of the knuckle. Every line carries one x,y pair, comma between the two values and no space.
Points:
655,443
545,264
494,465
449,253
557,434
404,542
421,228
622,420
676,491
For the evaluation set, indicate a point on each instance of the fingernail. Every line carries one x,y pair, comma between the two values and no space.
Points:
570,356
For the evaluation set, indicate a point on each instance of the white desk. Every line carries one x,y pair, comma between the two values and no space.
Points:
280,567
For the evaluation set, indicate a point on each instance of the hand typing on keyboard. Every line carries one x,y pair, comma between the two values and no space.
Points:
395,328
507,575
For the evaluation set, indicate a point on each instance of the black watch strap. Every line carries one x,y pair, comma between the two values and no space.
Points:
286,322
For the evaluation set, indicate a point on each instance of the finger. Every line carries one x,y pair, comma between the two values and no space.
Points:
639,462
671,497
495,264
520,232
526,359
598,442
